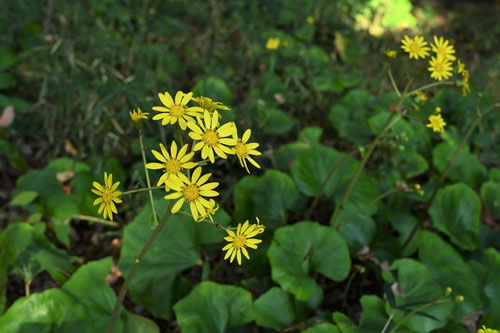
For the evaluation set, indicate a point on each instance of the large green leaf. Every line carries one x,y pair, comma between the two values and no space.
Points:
83,305
215,88
490,192
466,167
373,317
322,328
448,269
491,288
344,323
268,197
287,153
25,250
456,211
274,309
313,166
417,287
214,308
306,247
274,121
157,284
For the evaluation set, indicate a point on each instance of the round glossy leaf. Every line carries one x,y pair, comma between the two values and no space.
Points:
274,309
306,247
456,211
214,308
490,192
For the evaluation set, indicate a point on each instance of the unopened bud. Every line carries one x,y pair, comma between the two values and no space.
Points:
459,299
447,291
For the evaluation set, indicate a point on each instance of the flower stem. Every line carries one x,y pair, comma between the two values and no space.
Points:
420,308
137,263
95,219
151,201
430,85
372,147
143,189
476,122
393,83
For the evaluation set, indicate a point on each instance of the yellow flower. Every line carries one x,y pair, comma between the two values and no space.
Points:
272,43
443,49
210,211
108,196
177,111
172,164
260,227
243,149
192,191
487,330
310,20
240,240
440,68
391,54
420,94
418,186
136,116
436,122
209,105
437,109
465,86
460,66
212,137
415,47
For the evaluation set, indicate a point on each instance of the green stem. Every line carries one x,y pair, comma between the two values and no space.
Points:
420,308
95,219
27,284
476,122
151,201
393,83
359,211
430,85
361,166
137,263
143,189
179,134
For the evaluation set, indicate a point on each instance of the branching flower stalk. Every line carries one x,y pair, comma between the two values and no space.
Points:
473,126
135,267
151,201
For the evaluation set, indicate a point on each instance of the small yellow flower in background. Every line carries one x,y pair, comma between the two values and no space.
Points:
243,149
487,330
273,43
285,44
209,105
418,186
260,227
437,123
239,241
420,94
136,116
176,111
443,49
391,54
437,109
212,137
192,191
415,47
465,87
108,196
460,66
440,68
211,209
310,20
172,164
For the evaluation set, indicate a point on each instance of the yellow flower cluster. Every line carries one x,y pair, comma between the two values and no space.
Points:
241,239
272,43
487,330
436,122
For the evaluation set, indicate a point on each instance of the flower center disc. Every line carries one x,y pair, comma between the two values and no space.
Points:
106,195
191,192
173,166
177,111
414,48
239,241
439,68
211,138
241,149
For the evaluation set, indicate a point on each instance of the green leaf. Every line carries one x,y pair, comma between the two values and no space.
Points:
306,247
448,269
357,228
135,324
490,192
7,80
274,309
410,163
466,167
456,211
329,81
322,328
83,305
25,250
7,149
418,288
313,166
373,317
287,153
491,288
24,198
214,88
268,197
214,308
344,323
157,284
274,121
397,14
